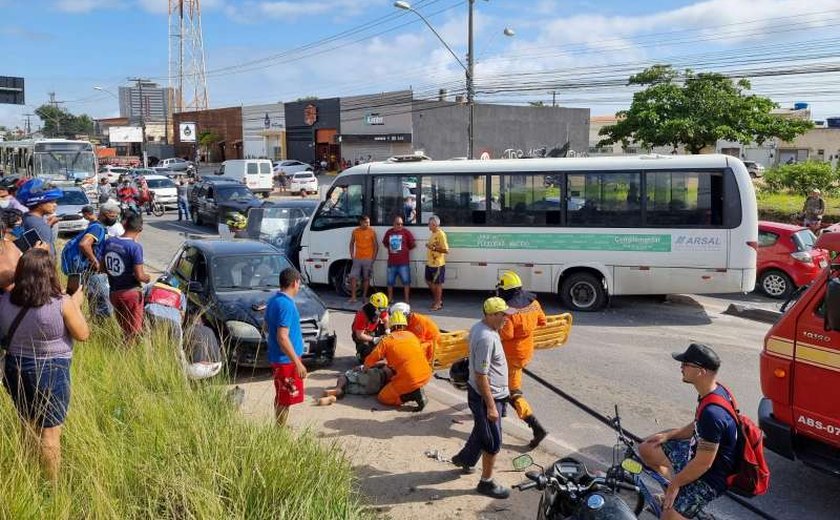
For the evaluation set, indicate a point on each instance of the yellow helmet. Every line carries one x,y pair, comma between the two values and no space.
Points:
398,318
379,300
509,280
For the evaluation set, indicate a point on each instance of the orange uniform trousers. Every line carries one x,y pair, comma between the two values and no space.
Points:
401,350
518,343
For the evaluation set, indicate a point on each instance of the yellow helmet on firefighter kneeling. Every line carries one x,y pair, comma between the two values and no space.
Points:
509,280
379,300
398,318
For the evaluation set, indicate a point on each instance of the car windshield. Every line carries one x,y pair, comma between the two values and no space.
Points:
242,272
160,183
73,198
233,193
273,224
143,172
303,176
804,240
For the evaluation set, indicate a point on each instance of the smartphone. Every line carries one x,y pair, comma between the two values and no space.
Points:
28,240
74,280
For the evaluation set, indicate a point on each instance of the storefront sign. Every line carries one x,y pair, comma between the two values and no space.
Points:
187,132
374,120
310,114
376,138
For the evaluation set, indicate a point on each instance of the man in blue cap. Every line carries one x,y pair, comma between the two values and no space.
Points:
42,200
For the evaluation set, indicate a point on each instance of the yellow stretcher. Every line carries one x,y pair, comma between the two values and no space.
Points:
454,346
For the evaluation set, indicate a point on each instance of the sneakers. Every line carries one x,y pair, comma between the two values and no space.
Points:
491,489
465,468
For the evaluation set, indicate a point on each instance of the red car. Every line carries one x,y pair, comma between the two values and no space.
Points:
786,258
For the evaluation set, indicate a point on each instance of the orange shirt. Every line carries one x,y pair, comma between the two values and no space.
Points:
402,352
518,331
364,241
426,331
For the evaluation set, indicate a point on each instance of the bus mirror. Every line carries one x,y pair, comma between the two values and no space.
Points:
832,304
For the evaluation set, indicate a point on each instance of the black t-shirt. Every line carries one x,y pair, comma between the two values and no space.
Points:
716,425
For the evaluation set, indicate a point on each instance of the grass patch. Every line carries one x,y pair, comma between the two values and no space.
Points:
780,206
142,442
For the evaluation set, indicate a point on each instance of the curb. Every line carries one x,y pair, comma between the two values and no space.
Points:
753,313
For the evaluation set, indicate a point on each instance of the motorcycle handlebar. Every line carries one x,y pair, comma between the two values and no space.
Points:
628,487
524,486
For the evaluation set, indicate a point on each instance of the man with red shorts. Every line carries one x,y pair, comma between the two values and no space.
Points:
285,345
122,261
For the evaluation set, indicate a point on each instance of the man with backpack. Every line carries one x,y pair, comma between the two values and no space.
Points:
719,450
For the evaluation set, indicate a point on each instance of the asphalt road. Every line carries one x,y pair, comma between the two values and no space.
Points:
619,357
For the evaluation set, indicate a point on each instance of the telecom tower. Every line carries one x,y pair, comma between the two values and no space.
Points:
187,77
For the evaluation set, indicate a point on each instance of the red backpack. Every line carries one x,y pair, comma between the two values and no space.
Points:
752,476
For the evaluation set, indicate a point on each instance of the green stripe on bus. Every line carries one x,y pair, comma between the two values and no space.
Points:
561,241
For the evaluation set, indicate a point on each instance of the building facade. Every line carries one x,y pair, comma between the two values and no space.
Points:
147,101
376,127
224,126
502,131
264,131
312,130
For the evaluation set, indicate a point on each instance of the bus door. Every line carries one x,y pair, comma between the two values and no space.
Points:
816,377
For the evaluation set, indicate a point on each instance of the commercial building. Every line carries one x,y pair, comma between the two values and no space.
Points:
502,131
312,129
264,131
222,125
376,127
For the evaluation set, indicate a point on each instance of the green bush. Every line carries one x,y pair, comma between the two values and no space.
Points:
142,442
802,177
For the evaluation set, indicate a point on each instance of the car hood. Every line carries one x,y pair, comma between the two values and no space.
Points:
239,305
240,205
69,209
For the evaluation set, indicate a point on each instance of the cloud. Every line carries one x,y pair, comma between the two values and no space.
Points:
84,6
21,33
288,9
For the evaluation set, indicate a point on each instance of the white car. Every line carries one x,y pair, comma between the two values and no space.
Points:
175,164
69,210
303,181
112,173
164,189
287,168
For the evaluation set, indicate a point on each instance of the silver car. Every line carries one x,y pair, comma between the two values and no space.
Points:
69,211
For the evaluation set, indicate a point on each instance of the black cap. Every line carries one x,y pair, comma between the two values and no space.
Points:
700,355
89,210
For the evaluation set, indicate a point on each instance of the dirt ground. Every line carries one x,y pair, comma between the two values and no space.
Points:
395,452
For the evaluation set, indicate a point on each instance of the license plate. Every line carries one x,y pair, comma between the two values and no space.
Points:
823,263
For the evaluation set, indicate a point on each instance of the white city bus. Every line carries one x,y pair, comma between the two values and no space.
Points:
56,160
585,228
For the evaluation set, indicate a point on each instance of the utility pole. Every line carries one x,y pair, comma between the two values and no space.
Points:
28,124
470,84
139,82
553,98
53,103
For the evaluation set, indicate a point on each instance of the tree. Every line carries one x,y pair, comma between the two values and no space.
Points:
695,110
61,123
307,98
207,139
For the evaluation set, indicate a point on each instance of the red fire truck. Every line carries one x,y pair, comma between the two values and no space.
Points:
800,373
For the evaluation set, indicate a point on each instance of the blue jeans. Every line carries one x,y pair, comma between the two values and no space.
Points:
183,209
96,288
486,436
40,388
398,271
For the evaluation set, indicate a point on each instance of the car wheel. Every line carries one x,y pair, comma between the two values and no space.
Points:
340,278
775,284
583,292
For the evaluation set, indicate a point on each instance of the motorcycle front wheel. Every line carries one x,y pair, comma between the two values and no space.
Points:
158,210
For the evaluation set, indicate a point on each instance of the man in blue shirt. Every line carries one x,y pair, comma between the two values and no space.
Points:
42,200
123,262
92,246
701,455
285,345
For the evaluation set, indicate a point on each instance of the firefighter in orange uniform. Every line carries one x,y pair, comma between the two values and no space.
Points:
421,326
518,342
402,352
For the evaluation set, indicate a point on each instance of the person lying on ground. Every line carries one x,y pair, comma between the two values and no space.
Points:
357,381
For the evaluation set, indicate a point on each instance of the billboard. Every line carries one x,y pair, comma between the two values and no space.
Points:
187,132
125,134
11,90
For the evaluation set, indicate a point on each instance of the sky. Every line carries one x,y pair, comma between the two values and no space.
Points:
577,52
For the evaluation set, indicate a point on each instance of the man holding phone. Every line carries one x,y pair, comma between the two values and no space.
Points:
41,199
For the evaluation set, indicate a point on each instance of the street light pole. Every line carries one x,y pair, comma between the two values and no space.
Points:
470,84
469,68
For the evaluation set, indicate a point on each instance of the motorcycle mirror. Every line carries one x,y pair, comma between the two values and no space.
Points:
631,466
533,475
522,462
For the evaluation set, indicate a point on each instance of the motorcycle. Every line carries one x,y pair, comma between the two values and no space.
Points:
571,492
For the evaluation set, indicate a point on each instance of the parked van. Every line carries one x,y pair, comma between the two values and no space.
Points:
800,373
254,173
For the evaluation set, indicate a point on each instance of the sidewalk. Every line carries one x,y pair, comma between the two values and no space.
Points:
390,449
